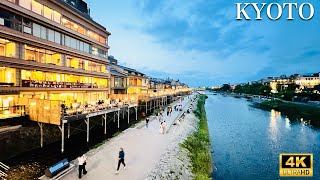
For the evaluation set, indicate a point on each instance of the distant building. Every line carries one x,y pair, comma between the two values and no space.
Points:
281,83
266,81
308,80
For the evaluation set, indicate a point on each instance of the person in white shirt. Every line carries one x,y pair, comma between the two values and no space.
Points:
82,165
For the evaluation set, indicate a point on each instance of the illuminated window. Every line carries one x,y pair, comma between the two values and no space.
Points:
56,16
65,22
47,12
7,75
102,39
7,48
37,7
56,59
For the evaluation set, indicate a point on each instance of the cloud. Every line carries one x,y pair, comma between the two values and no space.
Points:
201,43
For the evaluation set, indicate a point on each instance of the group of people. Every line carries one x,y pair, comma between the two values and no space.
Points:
169,111
82,162
178,107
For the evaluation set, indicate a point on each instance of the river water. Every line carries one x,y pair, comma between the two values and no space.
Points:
246,142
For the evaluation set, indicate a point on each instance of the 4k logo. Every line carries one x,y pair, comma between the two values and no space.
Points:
296,165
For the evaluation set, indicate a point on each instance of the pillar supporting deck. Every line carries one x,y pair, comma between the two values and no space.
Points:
87,121
41,133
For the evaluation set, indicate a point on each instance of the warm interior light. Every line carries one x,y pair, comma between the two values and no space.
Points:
10,98
64,20
33,103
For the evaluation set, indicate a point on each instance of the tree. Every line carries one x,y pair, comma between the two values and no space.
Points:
265,90
225,87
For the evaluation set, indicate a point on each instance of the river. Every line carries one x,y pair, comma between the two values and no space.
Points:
246,142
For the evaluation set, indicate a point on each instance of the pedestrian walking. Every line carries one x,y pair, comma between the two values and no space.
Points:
164,126
82,162
161,128
147,122
121,160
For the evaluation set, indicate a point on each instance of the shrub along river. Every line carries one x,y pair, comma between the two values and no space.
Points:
246,141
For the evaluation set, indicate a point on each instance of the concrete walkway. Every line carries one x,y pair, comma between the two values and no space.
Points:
143,149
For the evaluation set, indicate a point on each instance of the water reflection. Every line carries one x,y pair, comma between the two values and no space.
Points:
274,117
249,140
287,123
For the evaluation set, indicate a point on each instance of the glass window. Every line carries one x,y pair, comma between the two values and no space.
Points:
47,12
86,48
7,48
66,22
49,55
56,59
73,43
50,35
25,4
67,41
27,24
43,34
56,16
74,26
36,30
37,7
40,55
102,39
57,37
7,75
81,45
81,30
94,51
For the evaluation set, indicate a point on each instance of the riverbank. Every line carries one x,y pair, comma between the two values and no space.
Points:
293,111
145,148
198,144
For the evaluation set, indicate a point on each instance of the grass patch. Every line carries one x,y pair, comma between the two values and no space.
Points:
294,111
198,144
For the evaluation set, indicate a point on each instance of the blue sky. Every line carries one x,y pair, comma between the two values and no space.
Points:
201,43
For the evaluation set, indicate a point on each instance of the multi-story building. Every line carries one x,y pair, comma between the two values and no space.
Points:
51,50
308,80
135,82
118,81
157,84
281,83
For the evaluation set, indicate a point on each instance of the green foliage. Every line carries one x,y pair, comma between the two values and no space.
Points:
225,87
257,89
198,145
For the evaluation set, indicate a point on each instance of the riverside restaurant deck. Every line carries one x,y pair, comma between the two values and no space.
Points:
55,112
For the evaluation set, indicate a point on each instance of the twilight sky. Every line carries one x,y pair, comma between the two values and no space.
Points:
201,43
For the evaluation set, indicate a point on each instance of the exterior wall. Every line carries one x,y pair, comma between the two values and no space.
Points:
308,82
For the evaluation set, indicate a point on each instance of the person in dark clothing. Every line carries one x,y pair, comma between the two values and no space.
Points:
121,160
147,122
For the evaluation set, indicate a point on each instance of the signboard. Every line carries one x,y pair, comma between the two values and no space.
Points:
52,84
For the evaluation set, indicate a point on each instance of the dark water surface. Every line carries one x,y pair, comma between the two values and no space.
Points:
246,142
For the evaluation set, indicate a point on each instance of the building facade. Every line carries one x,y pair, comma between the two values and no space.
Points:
51,52
133,81
308,80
